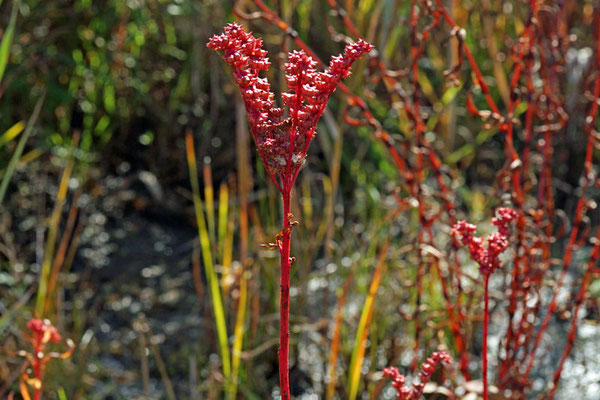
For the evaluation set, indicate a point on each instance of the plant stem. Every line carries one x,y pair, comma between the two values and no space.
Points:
486,320
37,371
284,312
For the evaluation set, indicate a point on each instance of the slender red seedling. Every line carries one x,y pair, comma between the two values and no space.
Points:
488,259
283,139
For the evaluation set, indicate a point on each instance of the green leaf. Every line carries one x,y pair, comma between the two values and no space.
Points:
61,394
7,38
12,164
12,133
450,94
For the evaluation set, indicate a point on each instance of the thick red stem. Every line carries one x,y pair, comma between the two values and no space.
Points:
284,312
486,320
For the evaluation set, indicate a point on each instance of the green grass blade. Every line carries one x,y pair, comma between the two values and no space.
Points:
358,352
222,237
222,223
61,394
8,38
13,310
209,202
238,339
12,133
53,227
213,282
12,164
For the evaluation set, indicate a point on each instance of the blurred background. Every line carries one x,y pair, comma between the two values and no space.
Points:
97,205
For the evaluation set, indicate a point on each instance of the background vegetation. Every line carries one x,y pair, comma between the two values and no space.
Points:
99,234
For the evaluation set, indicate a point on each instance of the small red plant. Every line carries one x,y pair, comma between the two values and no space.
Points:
282,138
488,259
43,333
428,367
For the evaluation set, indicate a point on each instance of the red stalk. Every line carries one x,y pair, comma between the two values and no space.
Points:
579,212
284,312
486,320
37,372
578,303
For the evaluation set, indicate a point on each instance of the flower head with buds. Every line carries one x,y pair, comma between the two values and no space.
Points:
282,138
497,242
428,367
43,331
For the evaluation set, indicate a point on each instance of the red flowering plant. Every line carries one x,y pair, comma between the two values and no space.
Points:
488,259
43,333
282,138
428,367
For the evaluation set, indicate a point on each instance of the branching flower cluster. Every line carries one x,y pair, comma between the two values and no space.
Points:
497,242
282,140
488,260
428,367
282,137
43,333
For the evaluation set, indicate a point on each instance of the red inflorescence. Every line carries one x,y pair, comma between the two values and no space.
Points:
486,257
398,380
282,140
43,331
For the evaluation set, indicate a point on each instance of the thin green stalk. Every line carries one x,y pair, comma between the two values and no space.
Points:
213,281
225,238
53,227
12,164
209,200
239,330
358,351
12,133
238,339
222,224
8,37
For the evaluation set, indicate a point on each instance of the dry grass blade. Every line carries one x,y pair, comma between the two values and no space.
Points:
162,369
61,253
138,326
